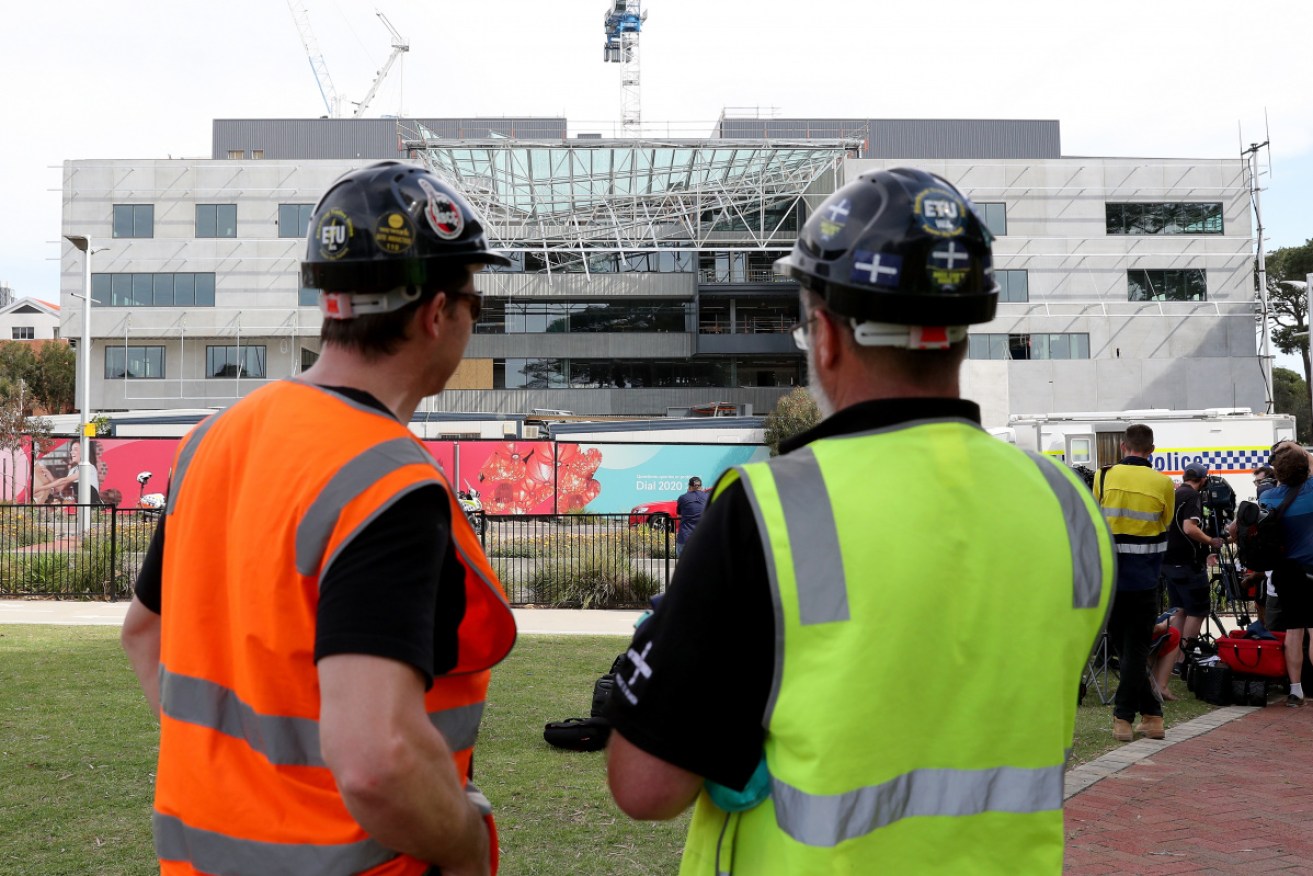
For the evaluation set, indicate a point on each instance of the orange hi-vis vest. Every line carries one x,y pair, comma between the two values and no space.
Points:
253,521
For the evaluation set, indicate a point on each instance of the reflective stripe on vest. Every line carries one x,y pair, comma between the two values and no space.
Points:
1086,563
183,461
1141,548
210,852
827,820
281,739
350,481
1132,515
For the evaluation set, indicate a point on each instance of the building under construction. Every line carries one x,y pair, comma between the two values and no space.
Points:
641,281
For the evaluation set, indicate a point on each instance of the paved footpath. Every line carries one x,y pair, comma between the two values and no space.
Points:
1229,792
531,621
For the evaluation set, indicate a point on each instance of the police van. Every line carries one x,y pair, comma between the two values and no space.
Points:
1232,442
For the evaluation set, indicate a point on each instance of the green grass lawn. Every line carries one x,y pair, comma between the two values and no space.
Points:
77,755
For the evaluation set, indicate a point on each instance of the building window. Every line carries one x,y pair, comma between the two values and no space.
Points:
763,371
24,333
134,220
294,219
153,290
216,220
308,358
257,154
308,297
245,361
237,153
995,217
1164,218
1013,286
136,363
503,316
1039,345
1187,284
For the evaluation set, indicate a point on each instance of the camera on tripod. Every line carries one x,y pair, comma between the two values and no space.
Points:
1219,504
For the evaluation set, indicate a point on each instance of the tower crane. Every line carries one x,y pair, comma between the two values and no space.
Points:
333,102
399,47
623,24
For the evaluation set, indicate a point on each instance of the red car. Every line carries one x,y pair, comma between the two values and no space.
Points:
660,514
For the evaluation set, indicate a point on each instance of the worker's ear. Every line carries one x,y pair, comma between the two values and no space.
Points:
432,316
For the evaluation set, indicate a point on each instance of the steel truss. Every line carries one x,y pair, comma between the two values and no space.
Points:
578,199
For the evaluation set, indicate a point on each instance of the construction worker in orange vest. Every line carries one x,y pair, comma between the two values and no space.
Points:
315,619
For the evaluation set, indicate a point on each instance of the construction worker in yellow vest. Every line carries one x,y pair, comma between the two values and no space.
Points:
315,619
869,657
1139,503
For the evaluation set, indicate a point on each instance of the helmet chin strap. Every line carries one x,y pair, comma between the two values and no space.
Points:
911,337
349,305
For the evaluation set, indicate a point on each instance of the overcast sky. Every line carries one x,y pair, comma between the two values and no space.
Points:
1149,78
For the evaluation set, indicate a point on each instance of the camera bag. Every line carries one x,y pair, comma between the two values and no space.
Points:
578,734
1253,657
1212,683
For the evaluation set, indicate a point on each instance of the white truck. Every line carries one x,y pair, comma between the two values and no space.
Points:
1232,442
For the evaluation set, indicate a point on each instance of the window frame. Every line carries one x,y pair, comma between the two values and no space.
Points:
125,349
986,216
216,224
237,356
307,209
138,215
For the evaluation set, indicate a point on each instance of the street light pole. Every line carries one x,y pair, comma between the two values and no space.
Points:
86,468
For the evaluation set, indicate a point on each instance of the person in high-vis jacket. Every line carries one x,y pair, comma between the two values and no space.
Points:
1139,502
315,620
869,657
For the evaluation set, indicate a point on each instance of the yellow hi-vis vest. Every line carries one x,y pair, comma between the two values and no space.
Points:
937,593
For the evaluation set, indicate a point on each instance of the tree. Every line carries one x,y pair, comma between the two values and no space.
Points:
1290,396
793,414
43,374
1288,304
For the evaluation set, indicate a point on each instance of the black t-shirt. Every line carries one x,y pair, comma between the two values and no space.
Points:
693,686
395,590
1181,549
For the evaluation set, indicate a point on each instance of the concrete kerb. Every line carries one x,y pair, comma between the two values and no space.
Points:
530,621
1079,778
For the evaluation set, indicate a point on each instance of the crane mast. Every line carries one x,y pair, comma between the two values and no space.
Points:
623,23
399,47
332,102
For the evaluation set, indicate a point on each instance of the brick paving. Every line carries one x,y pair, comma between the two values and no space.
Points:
1230,792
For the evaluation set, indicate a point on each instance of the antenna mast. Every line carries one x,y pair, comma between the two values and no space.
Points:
1250,157
623,24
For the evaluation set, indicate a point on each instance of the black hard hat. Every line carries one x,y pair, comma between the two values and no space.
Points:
391,225
898,246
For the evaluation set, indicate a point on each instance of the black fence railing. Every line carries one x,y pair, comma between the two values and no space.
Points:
45,552
579,560
567,560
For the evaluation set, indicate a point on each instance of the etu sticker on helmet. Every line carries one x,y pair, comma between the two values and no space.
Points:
444,216
940,212
334,234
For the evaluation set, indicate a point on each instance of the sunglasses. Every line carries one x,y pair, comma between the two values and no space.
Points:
475,300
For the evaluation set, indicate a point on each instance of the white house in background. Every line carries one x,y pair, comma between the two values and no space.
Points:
29,319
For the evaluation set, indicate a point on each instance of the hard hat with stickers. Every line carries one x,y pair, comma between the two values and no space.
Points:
381,234
898,248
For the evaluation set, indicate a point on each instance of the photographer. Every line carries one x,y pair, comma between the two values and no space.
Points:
1185,563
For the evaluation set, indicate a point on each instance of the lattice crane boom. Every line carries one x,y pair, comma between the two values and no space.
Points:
399,47
332,102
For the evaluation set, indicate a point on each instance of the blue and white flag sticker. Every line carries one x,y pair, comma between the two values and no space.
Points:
948,264
876,268
834,217
940,212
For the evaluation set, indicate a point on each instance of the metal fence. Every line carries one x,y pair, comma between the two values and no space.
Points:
575,560
43,551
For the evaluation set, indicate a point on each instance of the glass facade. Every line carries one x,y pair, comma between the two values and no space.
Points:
747,315
1164,218
502,316
1035,345
153,290
1186,284
135,363
746,371
294,219
134,220
247,361
216,220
